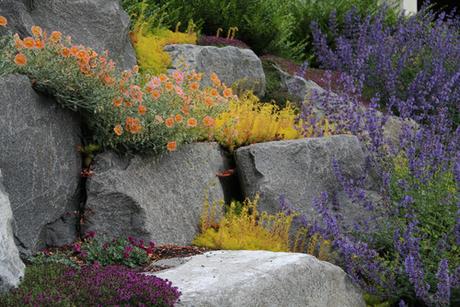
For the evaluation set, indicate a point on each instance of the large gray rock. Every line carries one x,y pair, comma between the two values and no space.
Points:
300,170
11,266
40,163
260,278
98,24
297,87
231,64
153,198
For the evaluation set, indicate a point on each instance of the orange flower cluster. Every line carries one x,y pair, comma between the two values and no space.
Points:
133,125
90,63
174,102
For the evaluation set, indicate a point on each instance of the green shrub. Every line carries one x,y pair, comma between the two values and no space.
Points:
265,25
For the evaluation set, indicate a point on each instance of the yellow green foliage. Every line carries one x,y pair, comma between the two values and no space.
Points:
243,228
149,38
249,121
149,48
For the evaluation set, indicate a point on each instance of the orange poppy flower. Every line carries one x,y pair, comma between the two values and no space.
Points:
128,103
65,52
117,102
169,122
82,54
169,86
228,92
214,77
208,101
163,77
197,77
39,44
208,121
194,86
178,76
55,36
178,118
118,130
37,31
29,42
133,125
214,92
141,109
3,21
171,146
192,122
20,59
74,50
156,94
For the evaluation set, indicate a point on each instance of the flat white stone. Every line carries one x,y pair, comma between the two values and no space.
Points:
260,278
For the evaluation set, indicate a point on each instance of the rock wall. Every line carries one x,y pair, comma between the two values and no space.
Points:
40,163
153,198
300,170
99,24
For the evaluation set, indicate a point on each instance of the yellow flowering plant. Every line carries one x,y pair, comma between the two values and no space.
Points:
149,47
247,120
243,227
149,41
124,110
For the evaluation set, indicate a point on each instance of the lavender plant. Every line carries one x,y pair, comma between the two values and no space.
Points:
413,65
407,249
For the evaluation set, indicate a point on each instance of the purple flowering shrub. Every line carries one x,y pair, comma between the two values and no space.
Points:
406,247
94,285
412,65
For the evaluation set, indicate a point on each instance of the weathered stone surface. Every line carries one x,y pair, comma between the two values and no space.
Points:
99,24
231,64
259,278
11,266
297,87
40,162
154,198
299,169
